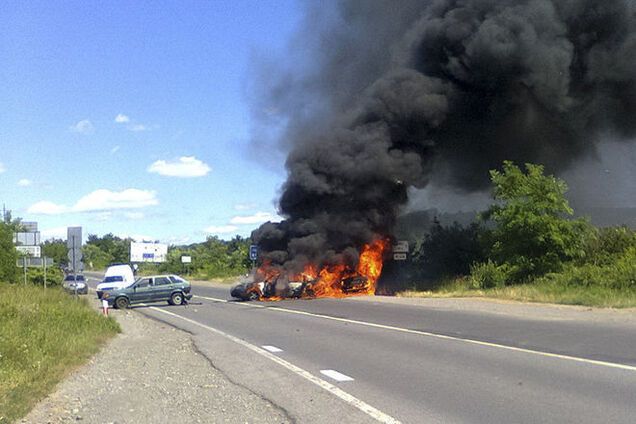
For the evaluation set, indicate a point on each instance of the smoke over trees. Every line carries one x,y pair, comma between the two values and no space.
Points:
401,94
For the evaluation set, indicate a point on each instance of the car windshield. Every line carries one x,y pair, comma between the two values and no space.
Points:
113,279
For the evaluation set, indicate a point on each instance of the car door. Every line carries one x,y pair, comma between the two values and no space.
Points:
163,288
142,290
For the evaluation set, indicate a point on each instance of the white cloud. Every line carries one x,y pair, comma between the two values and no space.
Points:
221,229
185,167
47,208
103,216
138,127
257,218
100,200
134,215
103,199
114,150
244,206
2,168
83,127
121,118
24,182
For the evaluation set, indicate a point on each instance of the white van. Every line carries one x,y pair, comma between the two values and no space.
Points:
117,277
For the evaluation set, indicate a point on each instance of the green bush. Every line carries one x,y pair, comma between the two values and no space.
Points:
603,245
488,275
618,273
35,276
8,254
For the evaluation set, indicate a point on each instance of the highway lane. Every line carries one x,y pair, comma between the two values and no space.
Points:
414,377
597,340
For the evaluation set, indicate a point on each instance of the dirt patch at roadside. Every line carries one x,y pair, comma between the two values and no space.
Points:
151,373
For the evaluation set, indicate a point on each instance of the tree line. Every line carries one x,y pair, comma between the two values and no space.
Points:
528,235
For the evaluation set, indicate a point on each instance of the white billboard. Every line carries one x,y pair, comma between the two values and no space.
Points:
148,252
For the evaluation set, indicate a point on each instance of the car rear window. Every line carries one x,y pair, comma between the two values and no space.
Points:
177,280
160,281
113,279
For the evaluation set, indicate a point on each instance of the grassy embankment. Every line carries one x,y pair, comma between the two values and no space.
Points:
541,291
44,335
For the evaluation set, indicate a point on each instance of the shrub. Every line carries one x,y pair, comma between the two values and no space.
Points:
487,275
602,246
618,273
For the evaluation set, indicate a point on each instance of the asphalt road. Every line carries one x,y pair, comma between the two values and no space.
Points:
400,361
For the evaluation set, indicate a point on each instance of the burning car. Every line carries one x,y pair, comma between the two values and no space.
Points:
282,287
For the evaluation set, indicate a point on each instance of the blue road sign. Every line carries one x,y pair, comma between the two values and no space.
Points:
253,252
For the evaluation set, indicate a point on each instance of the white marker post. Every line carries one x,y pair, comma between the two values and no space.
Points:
105,306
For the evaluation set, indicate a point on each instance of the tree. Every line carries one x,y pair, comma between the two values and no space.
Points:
532,231
8,254
448,251
57,250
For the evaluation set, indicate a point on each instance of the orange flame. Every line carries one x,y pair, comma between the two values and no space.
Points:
335,280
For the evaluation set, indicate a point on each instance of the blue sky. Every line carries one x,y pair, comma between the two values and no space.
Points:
132,117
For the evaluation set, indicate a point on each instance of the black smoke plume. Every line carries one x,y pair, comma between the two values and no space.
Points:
399,94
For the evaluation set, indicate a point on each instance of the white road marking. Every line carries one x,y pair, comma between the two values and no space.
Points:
351,400
441,336
272,349
336,375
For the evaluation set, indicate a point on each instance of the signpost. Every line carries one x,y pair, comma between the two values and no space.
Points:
400,250
253,254
185,260
74,244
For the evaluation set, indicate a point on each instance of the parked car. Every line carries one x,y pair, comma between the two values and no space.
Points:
73,281
156,288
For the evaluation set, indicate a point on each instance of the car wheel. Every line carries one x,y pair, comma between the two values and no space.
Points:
253,296
121,303
176,299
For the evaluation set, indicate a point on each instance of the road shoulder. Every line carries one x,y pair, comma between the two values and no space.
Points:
151,372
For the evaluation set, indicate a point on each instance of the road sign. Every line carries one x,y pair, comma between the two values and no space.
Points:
401,246
253,252
74,237
399,256
33,251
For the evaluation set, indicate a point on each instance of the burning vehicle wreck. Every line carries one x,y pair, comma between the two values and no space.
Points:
280,289
333,280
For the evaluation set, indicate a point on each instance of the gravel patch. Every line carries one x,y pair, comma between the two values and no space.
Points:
151,373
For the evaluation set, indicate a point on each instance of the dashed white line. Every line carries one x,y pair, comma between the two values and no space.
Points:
336,375
272,349
439,336
350,399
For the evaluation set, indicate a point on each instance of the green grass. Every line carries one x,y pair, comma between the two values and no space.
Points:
542,291
44,335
